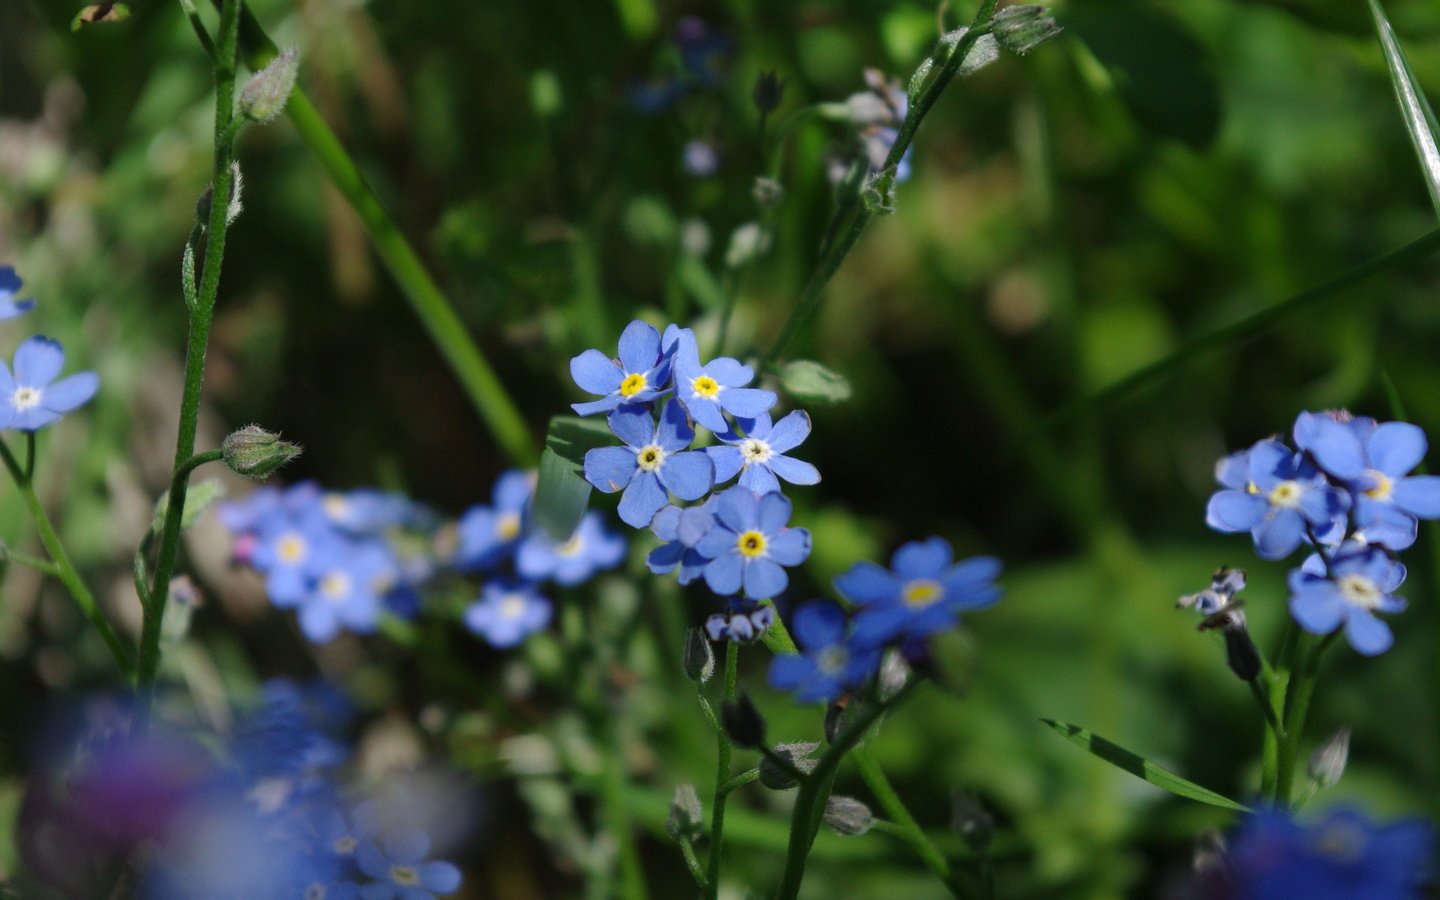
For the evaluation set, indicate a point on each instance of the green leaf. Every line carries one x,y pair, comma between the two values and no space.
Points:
562,493
810,382
1141,767
1414,108
100,12
200,497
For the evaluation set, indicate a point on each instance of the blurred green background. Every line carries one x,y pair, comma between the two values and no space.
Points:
1159,171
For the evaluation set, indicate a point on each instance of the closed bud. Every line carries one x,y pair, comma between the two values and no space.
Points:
743,722
686,821
1241,654
775,777
848,816
894,672
837,718
1327,763
256,453
970,820
769,90
699,659
1021,29
265,94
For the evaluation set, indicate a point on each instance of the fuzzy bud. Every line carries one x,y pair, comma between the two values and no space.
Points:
1021,29
699,658
743,722
686,821
775,777
848,816
264,95
256,453
1327,763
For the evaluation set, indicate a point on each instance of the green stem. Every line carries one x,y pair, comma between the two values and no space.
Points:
1297,707
722,777
1267,708
815,790
64,569
612,796
907,829
692,863
740,781
43,566
195,349
427,301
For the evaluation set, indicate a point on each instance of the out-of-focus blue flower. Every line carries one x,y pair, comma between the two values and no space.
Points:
365,512
682,529
653,461
704,51
742,625
489,534
923,592
285,551
10,286
1344,856
700,158
349,584
508,612
30,397
638,375
651,98
718,387
1283,494
759,455
589,550
1374,461
1363,583
830,664
877,113
749,544
398,863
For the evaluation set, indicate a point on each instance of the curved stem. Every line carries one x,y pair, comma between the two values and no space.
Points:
722,778
906,828
64,569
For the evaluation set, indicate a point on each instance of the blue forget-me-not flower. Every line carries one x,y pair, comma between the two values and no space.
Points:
759,454
590,549
716,388
831,662
638,375
10,284
488,535
653,461
30,397
1359,582
922,593
1276,496
749,545
508,612
402,871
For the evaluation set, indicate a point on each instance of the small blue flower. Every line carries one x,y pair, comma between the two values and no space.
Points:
10,286
699,158
1224,585
878,113
1344,856
349,584
922,593
285,550
682,529
654,460
742,625
367,511
639,375
759,455
718,387
28,399
831,664
1364,581
488,535
1282,494
589,550
508,612
398,864
749,544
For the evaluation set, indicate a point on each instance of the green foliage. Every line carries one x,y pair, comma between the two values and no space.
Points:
562,493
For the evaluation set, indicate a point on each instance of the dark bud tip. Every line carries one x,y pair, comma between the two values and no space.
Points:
1241,654
769,91
699,658
743,722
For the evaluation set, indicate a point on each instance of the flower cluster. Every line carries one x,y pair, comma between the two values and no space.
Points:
1346,493
877,114
30,397
265,813
738,540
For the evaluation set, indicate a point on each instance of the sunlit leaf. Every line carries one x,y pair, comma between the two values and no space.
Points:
562,493
1414,108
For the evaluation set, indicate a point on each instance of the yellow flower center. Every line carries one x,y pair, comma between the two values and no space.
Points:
1383,486
751,543
25,398
650,457
507,527
406,875
512,606
921,592
335,505
344,845
571,547
705,386
290,548
632,385
1285,494
1359,591
335,586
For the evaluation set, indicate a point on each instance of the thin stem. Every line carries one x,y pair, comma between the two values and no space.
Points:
687,849
65,571
30,456
195,349
907,829
43,566
1297,707
612,797
740,781
1267,708
722,777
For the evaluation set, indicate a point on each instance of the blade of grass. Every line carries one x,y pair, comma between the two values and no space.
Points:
1414,108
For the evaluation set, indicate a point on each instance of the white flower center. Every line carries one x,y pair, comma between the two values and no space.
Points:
507,526
335,586
290,548
344,845
1359,591
25,398
571,547
1286,494
754,451
406,875
650,457
832,660
512,606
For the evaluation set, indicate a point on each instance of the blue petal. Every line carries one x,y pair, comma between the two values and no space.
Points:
38,361
729,372
639,347
1279,534
773,513
922,559
406,846
759,478
318,621
440,876
596,373
1338,449
868,583
1418,495
746,402
609,468
666,523
633,425
789,671
1367,634
69,393
737,509
1270,461
686,364
1233,471
1322,504
819,624
764,579
790,547
1235,511
642,500
695,523
790,432
592,407
707,412
724,574
688,475
793,470
663,559
674,432
1395,448
1319,610
716,543
727,462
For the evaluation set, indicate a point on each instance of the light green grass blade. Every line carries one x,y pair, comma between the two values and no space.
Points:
1414,108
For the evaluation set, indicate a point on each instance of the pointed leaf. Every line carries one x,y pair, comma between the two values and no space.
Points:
1414,108
810,382
1141,767
561,492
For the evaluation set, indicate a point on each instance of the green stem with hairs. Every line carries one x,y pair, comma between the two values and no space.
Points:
722,778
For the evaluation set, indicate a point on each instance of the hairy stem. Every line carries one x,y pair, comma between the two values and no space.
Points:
722,778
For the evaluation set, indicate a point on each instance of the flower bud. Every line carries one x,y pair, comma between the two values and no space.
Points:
848,816
1241,654
1021,29
264,95
769,90
777,778
1327,763
699,659
256,453
743,722
686,821
837,718
894,672
970,820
